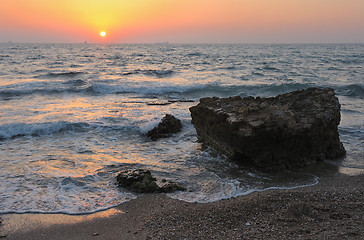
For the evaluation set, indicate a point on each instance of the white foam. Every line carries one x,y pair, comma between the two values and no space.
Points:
28,129
231,188
146,127
59,196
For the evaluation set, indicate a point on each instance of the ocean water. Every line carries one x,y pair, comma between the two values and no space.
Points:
74,115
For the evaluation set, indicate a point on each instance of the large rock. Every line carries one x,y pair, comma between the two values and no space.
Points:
168,126
142,181
288,131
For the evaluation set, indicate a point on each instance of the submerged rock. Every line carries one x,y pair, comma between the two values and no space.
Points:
288,131
141,181
168,126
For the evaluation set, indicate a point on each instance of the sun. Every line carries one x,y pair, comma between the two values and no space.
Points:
103,34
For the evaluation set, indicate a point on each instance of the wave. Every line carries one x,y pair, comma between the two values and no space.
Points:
268,67
263,90
357,60
195,54
353,90
77,82
13,130
268,90
8,94
233,191
354,132
60,74
36,57
150,72
161,73
194,91
80,86
98,88
73,195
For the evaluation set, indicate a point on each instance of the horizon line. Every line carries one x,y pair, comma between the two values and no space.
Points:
184,43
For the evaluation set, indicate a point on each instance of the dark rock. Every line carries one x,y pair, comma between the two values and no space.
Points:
181,101
168,187
164,103
158,103
168,126
288,131
141,181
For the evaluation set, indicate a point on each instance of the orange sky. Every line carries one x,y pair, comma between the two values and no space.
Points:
261,21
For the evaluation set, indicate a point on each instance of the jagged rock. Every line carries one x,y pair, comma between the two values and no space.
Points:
141,181
168,126
288,131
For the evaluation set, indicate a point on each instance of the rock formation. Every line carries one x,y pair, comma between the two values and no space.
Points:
141,181
168,126
285,132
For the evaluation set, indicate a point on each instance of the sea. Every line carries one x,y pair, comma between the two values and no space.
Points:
72,116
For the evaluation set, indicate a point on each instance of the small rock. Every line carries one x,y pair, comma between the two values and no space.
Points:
168,126
142,181
168,187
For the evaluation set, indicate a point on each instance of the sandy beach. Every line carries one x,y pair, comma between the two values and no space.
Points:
332,209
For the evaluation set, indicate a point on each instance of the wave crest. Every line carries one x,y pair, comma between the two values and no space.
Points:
36,129
60,74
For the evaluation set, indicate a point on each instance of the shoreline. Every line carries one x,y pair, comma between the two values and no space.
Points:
331,209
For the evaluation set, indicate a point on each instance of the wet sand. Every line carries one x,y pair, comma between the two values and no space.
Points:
332,209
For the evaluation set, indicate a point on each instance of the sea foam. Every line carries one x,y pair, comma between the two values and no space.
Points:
37,129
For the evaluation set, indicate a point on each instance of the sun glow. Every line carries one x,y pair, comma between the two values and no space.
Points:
181,21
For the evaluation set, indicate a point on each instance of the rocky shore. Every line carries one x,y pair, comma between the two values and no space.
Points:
332,209
292,130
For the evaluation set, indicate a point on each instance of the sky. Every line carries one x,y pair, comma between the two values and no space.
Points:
183,21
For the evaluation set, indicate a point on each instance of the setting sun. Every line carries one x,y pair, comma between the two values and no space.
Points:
102,34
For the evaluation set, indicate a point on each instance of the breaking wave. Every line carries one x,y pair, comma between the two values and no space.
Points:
13,130
36,129
264,90
196,90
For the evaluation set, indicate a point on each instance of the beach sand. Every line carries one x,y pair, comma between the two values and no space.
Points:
332,209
